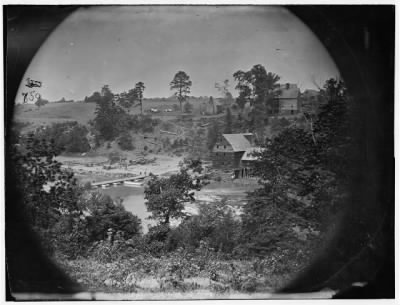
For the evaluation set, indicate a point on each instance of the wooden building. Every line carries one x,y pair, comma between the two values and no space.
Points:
287,100
229,149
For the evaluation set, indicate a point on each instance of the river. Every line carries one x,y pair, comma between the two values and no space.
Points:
133,198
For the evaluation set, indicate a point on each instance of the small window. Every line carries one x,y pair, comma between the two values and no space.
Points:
224,154
224,146
217,146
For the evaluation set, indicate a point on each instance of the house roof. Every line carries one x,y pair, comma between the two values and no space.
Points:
288,91
238,141
248,154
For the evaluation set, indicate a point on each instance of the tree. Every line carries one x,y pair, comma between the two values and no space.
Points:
211,102
104,214
48,190
125,141
193,164
138,94
304,174
41,102
107,115
228,121
166,197
181,83
257,87
224,90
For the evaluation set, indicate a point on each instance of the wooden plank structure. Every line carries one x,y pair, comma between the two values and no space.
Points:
117,181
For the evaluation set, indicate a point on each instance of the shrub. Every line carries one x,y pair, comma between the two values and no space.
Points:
215,225
104,214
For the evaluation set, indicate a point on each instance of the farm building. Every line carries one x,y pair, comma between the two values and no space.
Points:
248,159
287,100
229,149
248,162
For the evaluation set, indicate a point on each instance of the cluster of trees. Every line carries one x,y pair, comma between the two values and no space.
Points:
67,136
114,122
68,217
304,174
112,118
257,87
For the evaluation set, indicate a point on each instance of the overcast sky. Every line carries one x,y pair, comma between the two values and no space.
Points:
120,46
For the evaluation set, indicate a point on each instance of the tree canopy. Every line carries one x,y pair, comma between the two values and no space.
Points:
166,197
256,87
181,84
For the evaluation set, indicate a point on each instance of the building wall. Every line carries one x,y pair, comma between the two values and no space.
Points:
288,105
227,160
246,163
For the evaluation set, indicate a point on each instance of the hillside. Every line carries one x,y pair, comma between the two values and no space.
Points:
84,112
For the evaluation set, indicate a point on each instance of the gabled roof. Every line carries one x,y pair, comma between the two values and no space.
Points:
248,154
288,91
238,141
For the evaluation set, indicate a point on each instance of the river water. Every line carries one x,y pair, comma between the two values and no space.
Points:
133,198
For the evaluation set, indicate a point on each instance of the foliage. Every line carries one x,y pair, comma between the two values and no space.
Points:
194,164
125,141
48,190
212,135
138,93
257,87
187,107
300,183
41,102
94,98
277,125
214,225
181,83
111,119
165,197
67,136
103,214
228,121
107,115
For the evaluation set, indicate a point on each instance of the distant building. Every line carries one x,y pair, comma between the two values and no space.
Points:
229,149
287,100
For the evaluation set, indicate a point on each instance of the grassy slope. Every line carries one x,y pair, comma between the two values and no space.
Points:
83,112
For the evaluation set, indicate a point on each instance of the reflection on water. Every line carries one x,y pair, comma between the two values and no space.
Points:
133,201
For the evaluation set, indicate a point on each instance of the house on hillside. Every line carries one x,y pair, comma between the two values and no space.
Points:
229,149
287,100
